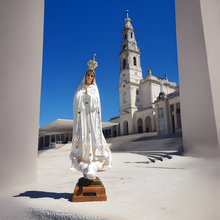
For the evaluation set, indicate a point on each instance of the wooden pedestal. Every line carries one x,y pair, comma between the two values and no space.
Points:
89,190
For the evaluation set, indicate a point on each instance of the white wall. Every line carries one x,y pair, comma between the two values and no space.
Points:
169,90
198,34
145,94
21,46
155,91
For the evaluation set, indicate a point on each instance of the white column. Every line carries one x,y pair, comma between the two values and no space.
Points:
130,126
169,117
152,123
151,93
166,118
198,34
139,62
122,128
143,125
135,125
157,119
21,46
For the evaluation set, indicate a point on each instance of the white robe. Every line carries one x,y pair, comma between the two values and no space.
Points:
91,144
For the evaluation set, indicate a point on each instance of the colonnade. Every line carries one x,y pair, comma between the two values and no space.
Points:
49,140
171,120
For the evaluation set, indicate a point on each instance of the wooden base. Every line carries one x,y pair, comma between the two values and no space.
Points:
89,190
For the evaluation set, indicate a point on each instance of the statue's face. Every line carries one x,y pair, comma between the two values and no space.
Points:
89,77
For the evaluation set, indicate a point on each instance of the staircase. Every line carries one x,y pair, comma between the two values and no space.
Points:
154,147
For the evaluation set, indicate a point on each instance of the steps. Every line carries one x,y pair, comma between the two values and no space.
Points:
154,147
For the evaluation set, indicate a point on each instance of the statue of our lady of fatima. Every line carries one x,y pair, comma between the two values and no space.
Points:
89,152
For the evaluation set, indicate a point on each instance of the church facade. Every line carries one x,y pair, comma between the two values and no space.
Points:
146,104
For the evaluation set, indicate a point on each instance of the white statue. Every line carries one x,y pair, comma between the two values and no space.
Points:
161,85
90,150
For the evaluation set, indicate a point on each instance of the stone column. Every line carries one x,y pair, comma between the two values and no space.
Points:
130,126
169,113
21,46
154,116
151,93
198,34
166,118
175,116
152,123
131,116
121,128
139,62
157,119
143,125
127,60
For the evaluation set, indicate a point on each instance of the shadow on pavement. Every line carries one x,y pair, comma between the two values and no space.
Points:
153,156
42,194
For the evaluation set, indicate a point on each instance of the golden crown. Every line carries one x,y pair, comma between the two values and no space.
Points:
92,64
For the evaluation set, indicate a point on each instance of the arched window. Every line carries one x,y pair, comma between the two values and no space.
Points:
131,35
124,46
134,60
125,36
124,64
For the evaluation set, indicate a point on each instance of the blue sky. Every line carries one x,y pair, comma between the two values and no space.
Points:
74,30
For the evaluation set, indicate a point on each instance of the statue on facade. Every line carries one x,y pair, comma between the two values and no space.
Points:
161,85
166,77
149,72
162,94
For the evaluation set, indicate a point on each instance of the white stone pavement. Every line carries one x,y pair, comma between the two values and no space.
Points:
181,188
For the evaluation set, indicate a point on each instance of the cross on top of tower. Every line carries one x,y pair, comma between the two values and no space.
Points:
127,13
127,19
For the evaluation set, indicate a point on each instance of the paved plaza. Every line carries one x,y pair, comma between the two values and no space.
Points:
144,183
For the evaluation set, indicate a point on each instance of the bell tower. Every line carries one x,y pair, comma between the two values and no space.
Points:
130,70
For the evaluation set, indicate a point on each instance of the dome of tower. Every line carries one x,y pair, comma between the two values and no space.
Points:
128,21
128,25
